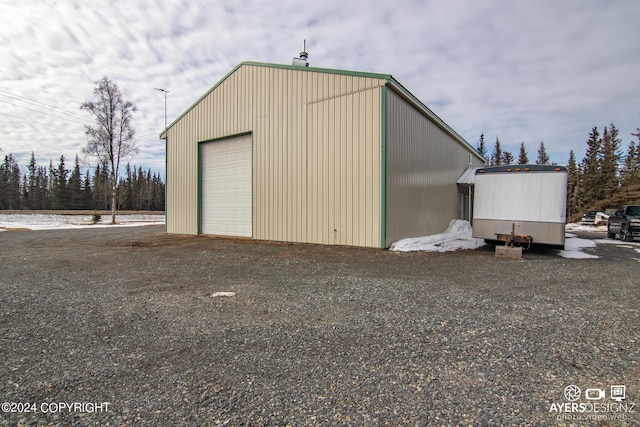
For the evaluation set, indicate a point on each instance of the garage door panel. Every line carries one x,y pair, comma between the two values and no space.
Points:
226,187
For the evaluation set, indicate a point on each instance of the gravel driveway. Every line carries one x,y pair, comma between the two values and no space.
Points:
119,327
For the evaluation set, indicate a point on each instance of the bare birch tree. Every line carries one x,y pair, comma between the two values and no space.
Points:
112,137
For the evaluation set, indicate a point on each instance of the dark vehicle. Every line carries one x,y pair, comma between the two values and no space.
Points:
625,222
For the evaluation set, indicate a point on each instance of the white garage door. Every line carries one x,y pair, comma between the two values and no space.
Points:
226,187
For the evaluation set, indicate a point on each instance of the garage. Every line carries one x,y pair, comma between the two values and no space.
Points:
226,187
312,155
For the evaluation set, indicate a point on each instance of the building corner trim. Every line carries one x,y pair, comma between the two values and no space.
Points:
383,167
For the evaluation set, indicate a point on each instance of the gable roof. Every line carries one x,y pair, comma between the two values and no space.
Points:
391,82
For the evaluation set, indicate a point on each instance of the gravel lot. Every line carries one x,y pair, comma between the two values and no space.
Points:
314,335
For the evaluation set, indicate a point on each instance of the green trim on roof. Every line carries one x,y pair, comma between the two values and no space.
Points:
391,81
321,70
200,99
386,77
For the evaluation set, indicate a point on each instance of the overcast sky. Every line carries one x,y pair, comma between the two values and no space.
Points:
523,71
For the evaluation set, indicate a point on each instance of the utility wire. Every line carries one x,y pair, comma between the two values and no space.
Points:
39,104
20,98
33,124
42,112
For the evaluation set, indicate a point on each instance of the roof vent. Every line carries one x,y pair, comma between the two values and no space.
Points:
301,61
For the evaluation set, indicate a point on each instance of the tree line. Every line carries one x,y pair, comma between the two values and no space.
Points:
606,177
503,157
109,140
56,187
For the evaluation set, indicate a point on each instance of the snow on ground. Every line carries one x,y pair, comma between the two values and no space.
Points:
579,227
57,222
627,245
574,247
456,237
459,236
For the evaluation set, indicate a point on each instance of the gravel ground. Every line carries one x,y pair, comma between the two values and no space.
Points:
314,335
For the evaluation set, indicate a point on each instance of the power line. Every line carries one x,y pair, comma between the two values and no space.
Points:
39,104
21,98
33,124
42,112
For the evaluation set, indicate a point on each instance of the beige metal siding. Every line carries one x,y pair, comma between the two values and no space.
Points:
423,164
280,107
343,187
182,183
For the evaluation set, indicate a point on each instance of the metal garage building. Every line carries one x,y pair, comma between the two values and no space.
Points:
312,155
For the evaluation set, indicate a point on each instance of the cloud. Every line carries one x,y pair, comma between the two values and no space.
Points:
523,71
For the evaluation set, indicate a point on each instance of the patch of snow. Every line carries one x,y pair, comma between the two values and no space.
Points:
457,236
574,246
58,222
580,227
618,243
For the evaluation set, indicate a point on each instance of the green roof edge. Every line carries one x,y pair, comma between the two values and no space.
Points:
321,70
395,84
386,77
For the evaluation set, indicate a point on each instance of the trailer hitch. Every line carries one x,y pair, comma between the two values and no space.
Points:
513,239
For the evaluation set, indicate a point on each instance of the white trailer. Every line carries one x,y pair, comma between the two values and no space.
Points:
525,200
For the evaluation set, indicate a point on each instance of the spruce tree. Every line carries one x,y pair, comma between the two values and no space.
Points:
140,189
15,185
125,189
87,192
630,174
33,197
507,158
543,157
572,186
610,156
25,191
158,193
591,185
75,187
10,194
147,191
96,189
496,155
44,193
523,158
60,188
481,148
101,188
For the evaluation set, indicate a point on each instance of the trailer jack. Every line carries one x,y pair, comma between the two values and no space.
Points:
513,242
